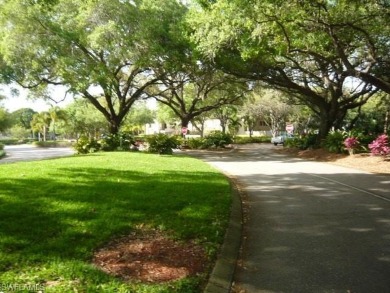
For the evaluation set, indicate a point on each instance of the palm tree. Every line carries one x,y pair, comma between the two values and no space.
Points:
56,114
40,123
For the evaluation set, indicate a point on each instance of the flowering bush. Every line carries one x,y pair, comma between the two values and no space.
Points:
380,146
351,143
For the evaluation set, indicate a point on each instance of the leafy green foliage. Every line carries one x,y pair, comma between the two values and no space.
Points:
86,145
12,141
334,141
253,139
116,142
1,147
217,139
52,143
301,142
308,49
5,119
95,49
194,143
162,144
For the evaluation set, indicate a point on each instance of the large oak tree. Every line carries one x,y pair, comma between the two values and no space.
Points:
100,50
198,88
330,55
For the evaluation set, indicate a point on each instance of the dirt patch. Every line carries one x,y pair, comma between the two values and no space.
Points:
365,162
152,257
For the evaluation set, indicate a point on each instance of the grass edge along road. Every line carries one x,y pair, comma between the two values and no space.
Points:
56,213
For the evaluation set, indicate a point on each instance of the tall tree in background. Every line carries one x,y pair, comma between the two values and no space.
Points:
196,89
137,119
83,119
268,107
5,119
301,47
56,114
228,117
95,48
23,117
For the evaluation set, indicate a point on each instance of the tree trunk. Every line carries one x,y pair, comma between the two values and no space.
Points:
114,126
327,121
223,123
184,124
386,126
44,133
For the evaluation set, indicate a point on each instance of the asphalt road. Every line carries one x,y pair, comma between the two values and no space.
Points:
26,152
308,226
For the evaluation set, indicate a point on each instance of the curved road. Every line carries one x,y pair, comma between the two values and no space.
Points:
26,152
308,226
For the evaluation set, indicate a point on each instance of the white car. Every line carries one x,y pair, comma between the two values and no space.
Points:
281,138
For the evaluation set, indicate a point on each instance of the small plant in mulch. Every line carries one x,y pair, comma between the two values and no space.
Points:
351,144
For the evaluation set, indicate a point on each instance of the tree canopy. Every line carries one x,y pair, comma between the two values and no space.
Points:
103,48
330,55
196,89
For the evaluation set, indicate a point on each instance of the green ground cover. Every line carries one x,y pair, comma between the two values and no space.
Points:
56,213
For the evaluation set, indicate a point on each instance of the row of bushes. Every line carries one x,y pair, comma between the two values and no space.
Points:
49,143
14,141
52,143
159,143
343,141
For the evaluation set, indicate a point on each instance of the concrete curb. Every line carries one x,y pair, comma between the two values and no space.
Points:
221,277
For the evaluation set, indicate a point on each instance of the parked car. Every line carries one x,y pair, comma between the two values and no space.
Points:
281,138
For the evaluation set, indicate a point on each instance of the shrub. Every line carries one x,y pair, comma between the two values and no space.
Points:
162,143
85,145
52,143
334,142
194,143
351,144
117,142
11,141
1,147
217,139
253,139
380,146
301,143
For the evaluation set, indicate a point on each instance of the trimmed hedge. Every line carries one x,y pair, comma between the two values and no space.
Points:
52,144
253,139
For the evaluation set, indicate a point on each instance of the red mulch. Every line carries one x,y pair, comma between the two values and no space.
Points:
151,257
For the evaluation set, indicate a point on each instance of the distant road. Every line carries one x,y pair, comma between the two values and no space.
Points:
16,153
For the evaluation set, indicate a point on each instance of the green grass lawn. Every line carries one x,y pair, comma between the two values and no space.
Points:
55,213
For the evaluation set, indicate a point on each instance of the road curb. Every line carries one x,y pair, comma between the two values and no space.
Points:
221,277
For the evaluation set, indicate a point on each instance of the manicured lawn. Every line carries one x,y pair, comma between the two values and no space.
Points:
55,213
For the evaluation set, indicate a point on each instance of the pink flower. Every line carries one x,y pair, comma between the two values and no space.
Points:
380,146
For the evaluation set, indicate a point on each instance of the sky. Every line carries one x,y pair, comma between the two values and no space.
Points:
13,103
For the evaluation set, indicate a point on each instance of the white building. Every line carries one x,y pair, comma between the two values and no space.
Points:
209,125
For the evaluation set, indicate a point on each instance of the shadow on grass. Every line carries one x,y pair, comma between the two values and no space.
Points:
68,216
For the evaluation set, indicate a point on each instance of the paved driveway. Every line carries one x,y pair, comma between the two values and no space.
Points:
309,226
26,152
